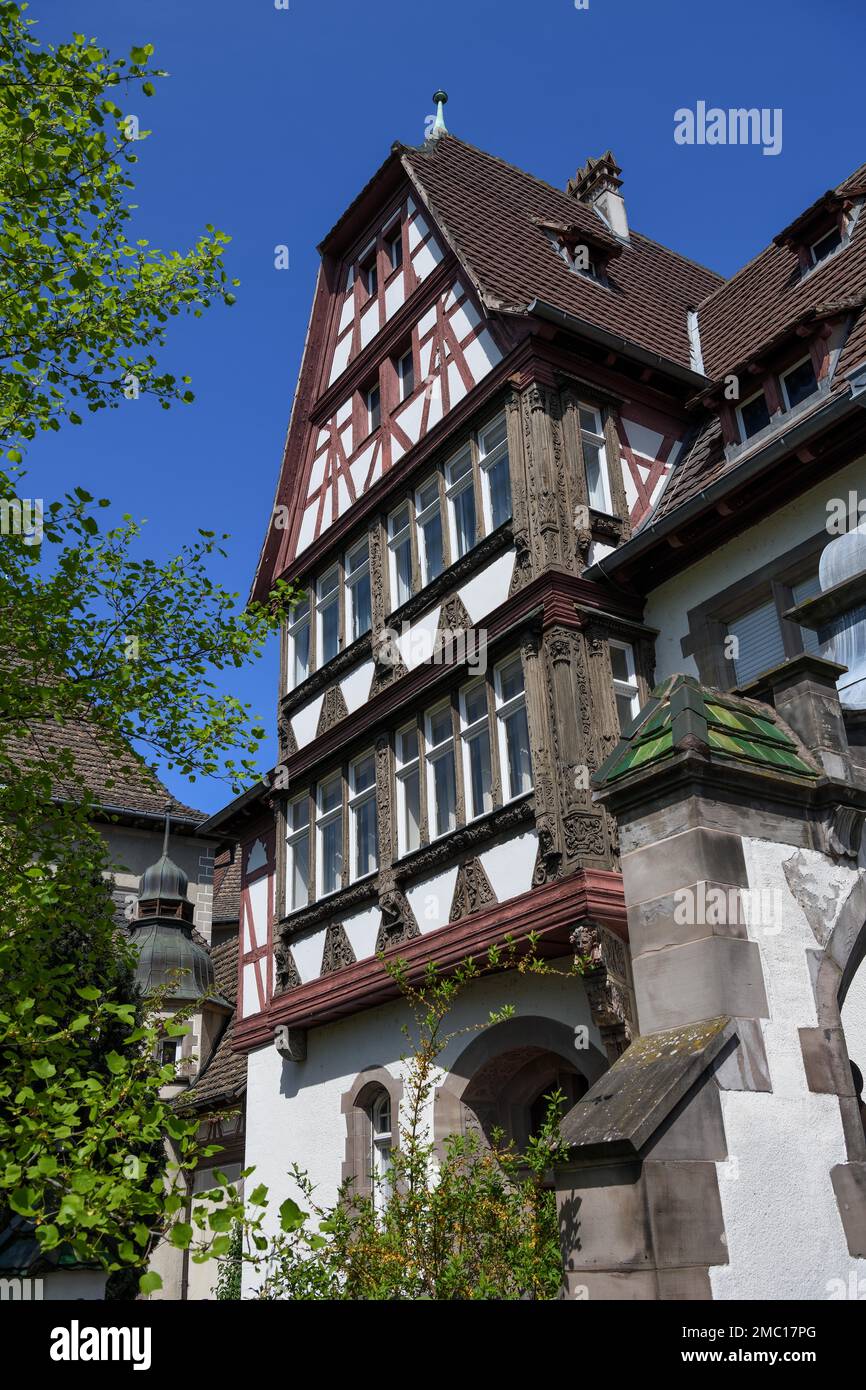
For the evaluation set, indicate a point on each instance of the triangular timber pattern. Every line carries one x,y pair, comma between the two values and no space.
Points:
338,950
472,890
333,710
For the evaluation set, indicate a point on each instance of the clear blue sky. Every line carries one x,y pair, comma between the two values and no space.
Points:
272,121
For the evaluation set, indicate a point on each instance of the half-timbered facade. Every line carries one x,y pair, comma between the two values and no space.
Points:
502,390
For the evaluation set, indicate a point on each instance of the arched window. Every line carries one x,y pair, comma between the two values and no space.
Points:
380,1148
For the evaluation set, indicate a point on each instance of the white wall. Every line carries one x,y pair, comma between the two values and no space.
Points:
293,1109
667,606
784,1232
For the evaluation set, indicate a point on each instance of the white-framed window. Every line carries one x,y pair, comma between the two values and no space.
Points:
625,684
405,366
460,494
408,790
754,415
595,458
495,477
299,642
512,728
475,738
298,853
363,834
394,246
825,245
370,275
799,383
441,772
359,618
373,404
328,614
428,516
329,834
400,553
381,1143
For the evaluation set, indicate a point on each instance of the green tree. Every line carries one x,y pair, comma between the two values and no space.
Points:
97,638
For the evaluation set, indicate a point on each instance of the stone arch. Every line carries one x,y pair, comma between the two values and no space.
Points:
355,1105
504,1069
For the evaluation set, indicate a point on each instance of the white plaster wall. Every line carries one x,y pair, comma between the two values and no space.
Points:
784,1232
293,1109
667,606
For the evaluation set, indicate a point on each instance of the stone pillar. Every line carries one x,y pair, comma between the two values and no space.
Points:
723,1155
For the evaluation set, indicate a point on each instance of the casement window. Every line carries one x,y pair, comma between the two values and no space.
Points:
408,790
363,835
495,477
594,458
441,773
625,684
512,728
475,738
298,853
299,642
825,245
799,383
428,517
405,368
754,415
460,495
358,610
328,614
373,406
381,1143
394,246
329,835
400,554
370,275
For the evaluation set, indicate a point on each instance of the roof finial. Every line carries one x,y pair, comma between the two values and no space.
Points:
167,827
439,127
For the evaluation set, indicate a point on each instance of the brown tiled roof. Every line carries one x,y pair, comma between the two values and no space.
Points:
227,887
223,1080
114,773
490,212
743,315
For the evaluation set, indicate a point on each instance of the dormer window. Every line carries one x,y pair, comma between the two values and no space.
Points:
373,402
799,383
754,415
825,245
394,246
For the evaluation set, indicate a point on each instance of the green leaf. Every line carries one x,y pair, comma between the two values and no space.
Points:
43,1068
149,1283
180,1235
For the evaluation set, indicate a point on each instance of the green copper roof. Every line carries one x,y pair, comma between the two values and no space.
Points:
684,714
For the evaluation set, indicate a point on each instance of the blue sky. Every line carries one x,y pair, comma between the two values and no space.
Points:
272,120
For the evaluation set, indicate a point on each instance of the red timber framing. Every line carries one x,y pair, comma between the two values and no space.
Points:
550,912
256,955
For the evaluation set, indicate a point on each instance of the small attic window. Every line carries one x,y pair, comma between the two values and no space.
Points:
394,246
799,383
754,415
370,275
825,245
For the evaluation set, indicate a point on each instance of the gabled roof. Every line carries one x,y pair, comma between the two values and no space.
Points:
490,212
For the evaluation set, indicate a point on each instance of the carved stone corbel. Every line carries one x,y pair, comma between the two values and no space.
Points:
606,972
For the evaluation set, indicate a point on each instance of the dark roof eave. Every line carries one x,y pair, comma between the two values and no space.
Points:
656,531
541,309
238,810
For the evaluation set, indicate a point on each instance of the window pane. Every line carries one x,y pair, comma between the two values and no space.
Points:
619,663
329,582
589,421
398,521
428,494
403,571
826,245
410,828
373,408
459,467
475,704
480,778
445,792
493,436
464,519
755,415
499,485
332,854
519,761
364,774
300,869
431,532
299,609
362,619
301,653
800,383
593,456
441,727
357,557
366,843
406,373
511,680
330,619
330,795
624,710
408,750
300,813
395,250
759,642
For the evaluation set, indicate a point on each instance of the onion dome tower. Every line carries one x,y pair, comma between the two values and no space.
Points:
168,957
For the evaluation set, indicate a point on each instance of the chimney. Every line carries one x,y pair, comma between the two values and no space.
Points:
597,185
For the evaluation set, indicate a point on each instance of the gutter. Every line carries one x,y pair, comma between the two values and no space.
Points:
541,309
730,481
